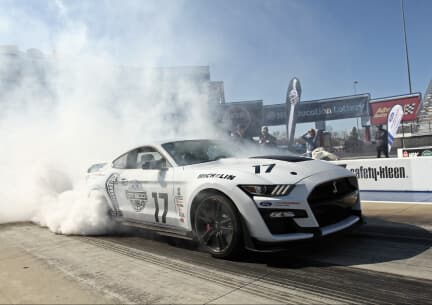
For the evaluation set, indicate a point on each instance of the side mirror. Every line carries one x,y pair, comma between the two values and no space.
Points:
163,165
156,165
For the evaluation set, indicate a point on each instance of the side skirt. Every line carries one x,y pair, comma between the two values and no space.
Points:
159,229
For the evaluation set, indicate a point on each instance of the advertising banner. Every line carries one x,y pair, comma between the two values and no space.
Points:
245,115
275,115
380,108
292,100
333,109
320,110
392,179
425,151
393,121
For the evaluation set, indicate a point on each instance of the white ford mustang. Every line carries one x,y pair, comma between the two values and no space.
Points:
197,189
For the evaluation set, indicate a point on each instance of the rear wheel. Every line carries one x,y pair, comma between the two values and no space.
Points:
217,226
96,197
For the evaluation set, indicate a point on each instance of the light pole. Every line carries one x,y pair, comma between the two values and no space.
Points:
406,47
355,92
407,62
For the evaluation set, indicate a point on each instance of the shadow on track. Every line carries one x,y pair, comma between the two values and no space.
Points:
376,242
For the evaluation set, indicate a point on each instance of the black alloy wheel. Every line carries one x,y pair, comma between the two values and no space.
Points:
217,226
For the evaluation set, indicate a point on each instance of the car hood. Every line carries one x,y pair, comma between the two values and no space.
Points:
286,169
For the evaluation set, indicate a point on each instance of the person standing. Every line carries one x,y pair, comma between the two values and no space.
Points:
265,138
311,141
238,133
381,138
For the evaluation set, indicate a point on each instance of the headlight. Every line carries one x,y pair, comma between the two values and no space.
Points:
267,190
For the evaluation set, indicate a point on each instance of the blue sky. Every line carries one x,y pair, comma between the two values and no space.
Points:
327,44
254,46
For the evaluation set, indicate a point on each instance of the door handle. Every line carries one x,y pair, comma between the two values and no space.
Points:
123,180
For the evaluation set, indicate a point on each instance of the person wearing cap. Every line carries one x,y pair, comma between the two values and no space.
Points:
381,138
265,138
311,139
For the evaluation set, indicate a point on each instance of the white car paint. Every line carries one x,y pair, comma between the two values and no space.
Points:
182,184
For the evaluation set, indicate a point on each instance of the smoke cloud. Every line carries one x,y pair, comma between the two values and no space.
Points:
84,101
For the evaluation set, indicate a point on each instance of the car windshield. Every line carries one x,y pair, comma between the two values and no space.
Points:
197,151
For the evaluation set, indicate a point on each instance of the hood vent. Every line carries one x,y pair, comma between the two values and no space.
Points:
284,158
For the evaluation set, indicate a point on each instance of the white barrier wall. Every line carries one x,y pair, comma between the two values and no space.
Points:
392,175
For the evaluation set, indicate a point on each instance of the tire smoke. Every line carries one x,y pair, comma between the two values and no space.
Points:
79,105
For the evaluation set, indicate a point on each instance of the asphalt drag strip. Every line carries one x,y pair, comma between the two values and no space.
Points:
138,268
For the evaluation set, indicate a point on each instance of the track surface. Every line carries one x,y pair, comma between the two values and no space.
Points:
386,262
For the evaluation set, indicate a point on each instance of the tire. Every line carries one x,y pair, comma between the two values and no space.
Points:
99,197
217,226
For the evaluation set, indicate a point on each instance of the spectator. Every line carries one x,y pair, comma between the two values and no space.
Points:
238,135
381,138
265,138
311,138
354,140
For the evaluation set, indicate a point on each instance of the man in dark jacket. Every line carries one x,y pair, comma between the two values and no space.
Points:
381,138
311,139
265,138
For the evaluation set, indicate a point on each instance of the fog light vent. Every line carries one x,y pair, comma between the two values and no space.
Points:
281,214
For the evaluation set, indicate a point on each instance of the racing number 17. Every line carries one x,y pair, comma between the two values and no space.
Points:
163,196
269,168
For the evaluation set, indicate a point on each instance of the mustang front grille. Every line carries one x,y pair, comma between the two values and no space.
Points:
332,201
333,190
327,215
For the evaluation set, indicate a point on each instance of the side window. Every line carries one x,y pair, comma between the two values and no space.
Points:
141,158
149,158
120,162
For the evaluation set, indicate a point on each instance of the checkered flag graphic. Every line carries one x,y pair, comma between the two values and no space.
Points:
409,108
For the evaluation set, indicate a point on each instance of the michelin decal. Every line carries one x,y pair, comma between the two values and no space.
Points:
220,176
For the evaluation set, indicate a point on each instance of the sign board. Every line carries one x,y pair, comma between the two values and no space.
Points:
392,179
292,102
380,108
333,109
320,110
425,151
275,114
394,118
247,115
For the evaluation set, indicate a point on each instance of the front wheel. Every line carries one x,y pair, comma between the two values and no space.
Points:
217,226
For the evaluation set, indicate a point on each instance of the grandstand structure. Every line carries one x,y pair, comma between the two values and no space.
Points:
424,125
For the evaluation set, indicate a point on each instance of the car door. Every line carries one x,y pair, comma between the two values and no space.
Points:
145,188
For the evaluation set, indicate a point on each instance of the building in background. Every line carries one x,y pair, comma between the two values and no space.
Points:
29,69
175,88
178,88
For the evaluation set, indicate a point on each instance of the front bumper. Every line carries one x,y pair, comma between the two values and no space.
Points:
284,242
313,218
